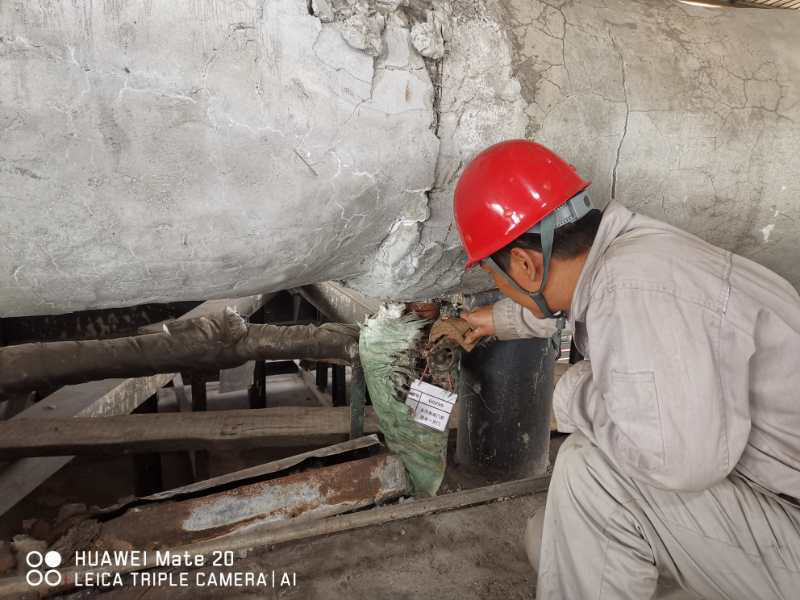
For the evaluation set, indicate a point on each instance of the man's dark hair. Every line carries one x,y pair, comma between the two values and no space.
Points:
569,241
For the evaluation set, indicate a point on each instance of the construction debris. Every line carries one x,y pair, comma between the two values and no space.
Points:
7,559
79,536
391,350
23,544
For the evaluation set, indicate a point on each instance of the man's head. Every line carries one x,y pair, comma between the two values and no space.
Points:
520,203
522,260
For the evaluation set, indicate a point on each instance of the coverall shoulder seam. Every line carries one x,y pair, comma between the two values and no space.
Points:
642,286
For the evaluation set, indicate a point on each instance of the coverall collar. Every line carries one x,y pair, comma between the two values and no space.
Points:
615,221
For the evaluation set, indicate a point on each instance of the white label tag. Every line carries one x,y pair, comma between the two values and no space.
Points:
430,405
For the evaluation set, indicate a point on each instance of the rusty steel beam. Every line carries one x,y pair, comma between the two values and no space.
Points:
311,494
269,470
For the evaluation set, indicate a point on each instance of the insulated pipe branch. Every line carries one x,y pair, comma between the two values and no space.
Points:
220,341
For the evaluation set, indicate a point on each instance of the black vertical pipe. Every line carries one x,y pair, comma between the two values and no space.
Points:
505,397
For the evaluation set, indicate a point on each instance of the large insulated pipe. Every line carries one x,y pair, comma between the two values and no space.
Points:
157,151
505,396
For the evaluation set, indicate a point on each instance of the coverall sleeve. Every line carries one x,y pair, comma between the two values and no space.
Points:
651,397
513,321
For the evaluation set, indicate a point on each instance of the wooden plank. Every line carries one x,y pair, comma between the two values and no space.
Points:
171,432
94,399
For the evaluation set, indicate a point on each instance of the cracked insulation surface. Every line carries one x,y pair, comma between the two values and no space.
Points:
168,151
155,151
683,113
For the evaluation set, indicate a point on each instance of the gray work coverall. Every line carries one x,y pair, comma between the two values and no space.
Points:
685,456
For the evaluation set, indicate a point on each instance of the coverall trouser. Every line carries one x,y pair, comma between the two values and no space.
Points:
606,536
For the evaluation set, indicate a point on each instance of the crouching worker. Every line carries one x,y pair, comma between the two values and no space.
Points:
684,457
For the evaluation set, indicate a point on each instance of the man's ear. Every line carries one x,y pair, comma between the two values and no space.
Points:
526,268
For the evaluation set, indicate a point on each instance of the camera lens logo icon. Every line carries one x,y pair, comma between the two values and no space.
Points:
37,561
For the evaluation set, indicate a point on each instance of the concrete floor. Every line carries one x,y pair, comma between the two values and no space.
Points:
469,553
474,553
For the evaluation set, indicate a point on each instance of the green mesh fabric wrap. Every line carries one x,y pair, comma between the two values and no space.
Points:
384,348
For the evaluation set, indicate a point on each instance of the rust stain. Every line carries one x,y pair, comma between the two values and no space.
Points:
358,481
336,488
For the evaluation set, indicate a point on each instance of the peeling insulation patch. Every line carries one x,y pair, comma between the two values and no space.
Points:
386,348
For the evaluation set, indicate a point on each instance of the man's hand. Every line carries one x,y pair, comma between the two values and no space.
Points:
481,321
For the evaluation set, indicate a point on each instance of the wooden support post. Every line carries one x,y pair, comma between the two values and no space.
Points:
148,465
297,301
322,376
177,465
199,400
339,386
202,459
358,402
258,391
16,404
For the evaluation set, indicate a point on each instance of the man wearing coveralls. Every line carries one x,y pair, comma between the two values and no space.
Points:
684,457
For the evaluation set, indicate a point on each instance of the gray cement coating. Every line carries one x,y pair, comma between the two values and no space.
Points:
161,151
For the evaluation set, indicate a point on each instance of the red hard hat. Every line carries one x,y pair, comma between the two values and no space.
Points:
506,190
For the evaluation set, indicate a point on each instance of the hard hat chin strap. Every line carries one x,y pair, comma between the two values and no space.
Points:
547,230
538,295
572,211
